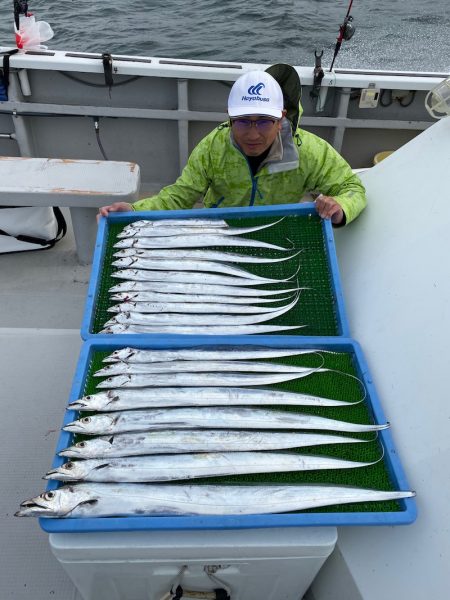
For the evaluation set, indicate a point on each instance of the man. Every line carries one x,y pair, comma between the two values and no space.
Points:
258,158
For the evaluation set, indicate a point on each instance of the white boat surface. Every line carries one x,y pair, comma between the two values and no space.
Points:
393,268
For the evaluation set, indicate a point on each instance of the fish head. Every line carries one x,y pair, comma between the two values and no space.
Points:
120,317
69,471
129,232
125,243
124,286
115,382
124,261
123,354
113,309
55,503
113,369
88,448
109,370
116,328
124,253
90,425
113,321
94,401
124,297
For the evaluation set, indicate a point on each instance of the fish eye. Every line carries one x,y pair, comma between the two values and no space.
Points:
88,397
81,444
86,419
69,465
49,495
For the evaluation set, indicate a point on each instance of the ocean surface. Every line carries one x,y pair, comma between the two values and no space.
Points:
411,35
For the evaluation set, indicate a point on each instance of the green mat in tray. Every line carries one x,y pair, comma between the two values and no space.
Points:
336,385
316,308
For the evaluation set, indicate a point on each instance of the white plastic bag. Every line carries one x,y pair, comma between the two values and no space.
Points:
32,33
30,228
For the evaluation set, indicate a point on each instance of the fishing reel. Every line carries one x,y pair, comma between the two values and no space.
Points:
346,32
347,29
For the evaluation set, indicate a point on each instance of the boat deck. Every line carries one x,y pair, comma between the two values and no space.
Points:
42,296
396,289
36,370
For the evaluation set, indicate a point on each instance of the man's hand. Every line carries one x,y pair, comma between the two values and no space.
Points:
116,207
328,208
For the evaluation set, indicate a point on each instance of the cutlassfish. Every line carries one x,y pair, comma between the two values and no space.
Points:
209,418
171,467
129,399
135,355
132,499
195,288
179,441
188,318
195,366
192,277
118,328
198,305
195,254
195,241
178,223
207,266
136,231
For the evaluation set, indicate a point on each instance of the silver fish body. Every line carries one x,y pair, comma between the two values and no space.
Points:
191,277
170,467
201,266
148,232
137,301
135,355
195,254
197,329
180,441
202,379
195,241
209,418
202,313
139,499
178,223
129,399
145,232
196,288
133,230
190,307
194,366
188,318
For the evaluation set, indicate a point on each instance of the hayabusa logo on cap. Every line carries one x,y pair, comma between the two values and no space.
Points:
255,90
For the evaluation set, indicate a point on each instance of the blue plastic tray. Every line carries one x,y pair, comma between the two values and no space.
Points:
306,209
405,515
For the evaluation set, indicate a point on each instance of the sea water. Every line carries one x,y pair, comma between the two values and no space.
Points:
390,34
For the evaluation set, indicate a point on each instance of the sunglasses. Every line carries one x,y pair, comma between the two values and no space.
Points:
262,125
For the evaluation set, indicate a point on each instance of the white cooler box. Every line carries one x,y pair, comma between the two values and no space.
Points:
249,564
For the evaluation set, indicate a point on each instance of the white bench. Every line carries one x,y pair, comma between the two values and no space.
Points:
82,185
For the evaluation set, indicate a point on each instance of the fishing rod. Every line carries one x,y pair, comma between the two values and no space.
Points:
20,8
346,31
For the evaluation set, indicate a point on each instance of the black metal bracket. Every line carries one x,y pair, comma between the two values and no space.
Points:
318,76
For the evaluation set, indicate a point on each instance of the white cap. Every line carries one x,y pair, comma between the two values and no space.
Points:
255,93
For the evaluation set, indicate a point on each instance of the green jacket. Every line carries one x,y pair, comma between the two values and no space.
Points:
218,171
